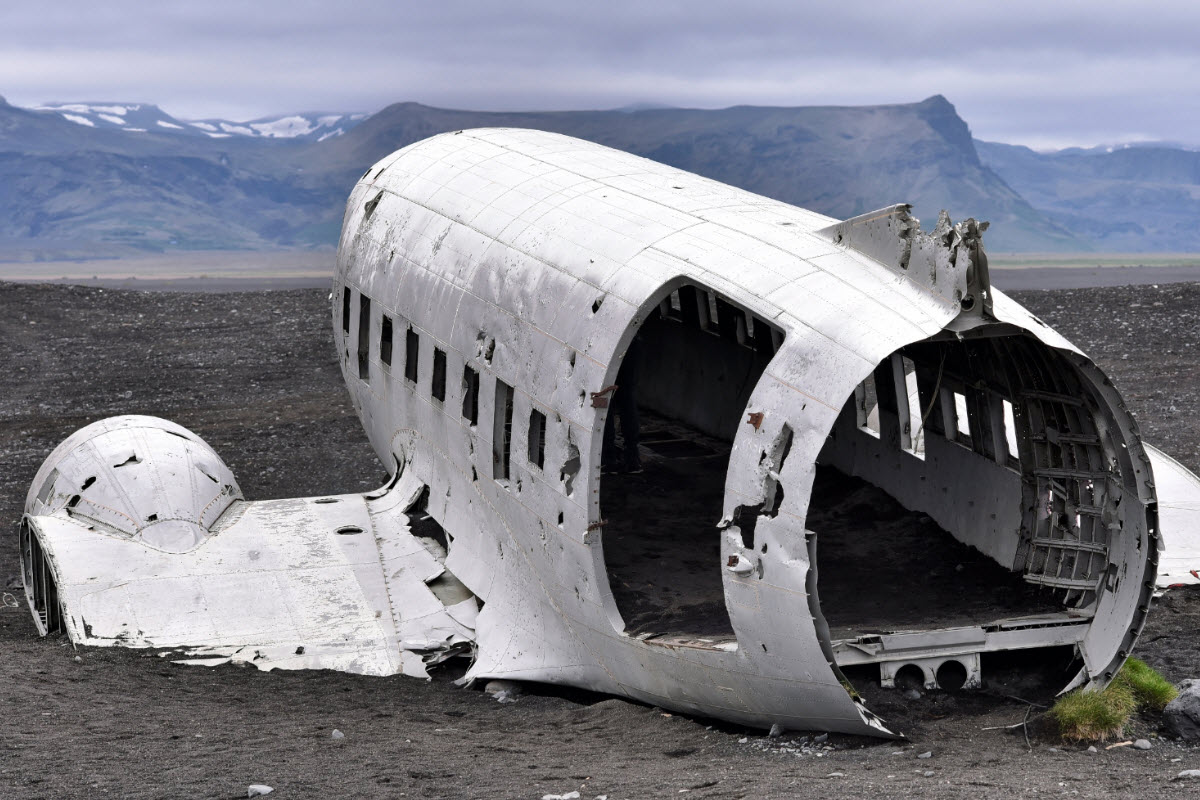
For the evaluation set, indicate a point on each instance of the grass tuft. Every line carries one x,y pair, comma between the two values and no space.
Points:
1150,689
1084,715
1094,715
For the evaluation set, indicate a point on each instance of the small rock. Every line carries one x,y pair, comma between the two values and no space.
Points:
128,394
926,754
824,737
776,731
567,796
928,773
1142,744
836,775
78,659
1092,749
743,740
338,734
1188,773
912,694
258,790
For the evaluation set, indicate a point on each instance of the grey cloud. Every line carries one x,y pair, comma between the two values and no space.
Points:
1038,70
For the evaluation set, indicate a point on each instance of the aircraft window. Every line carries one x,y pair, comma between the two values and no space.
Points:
412,345
345,309
439,374
712,322
470,408
502,432
537,438
364,337
865,402
962,423
385,340
1010,435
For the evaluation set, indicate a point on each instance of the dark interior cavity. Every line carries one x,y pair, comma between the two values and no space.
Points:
692,368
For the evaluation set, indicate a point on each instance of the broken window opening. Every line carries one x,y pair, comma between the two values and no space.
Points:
502,432
570,467
470,408
364,337
438,388
412,350
346,309
537,438
664,475
385,340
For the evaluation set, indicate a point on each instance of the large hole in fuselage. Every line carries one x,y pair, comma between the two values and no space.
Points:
969,489
683,386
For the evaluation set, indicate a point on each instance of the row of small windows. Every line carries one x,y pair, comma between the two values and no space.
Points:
710,312
980,420
502,433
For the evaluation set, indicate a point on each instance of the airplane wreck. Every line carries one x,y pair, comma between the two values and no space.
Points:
826,407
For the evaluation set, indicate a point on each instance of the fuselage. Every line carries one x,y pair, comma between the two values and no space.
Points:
490,284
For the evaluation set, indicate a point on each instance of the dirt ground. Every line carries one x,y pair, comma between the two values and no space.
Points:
255,375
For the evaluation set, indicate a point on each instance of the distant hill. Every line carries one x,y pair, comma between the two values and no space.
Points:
839,161
75,187
1127,199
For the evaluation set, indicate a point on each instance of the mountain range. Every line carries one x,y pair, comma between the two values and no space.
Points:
105,179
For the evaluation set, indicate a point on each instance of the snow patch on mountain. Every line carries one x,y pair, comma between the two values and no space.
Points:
140,117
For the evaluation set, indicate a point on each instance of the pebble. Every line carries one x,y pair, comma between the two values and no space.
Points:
776,731
1092,749
78,659
824,737
926,754
1142,744
1188,773
258,790
928,773
338,734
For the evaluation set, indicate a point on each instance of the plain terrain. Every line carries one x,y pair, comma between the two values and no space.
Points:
255,374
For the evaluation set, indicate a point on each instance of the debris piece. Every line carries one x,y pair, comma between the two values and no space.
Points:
926,754
567,796
503,691
824,737
1188,773
836,775
1118,744
338,734
258,790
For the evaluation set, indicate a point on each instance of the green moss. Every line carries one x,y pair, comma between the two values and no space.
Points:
1084,715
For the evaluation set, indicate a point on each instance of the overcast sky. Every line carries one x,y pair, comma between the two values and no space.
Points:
1041,73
